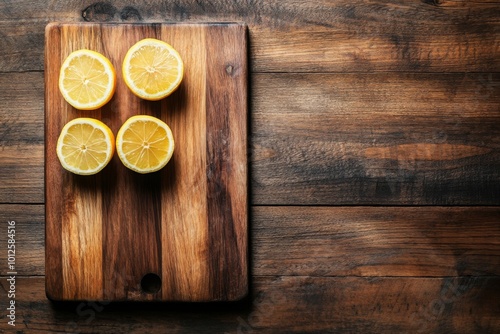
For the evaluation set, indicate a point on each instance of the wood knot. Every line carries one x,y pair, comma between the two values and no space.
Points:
229,70
130,13
436,3
99,12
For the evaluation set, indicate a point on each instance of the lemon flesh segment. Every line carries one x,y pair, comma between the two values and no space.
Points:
85,146
144,144
152,69
87,80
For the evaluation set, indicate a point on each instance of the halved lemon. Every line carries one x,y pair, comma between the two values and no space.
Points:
87,79
85,146
152,69
144,144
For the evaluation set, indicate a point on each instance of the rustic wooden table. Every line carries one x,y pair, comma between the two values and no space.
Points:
374,160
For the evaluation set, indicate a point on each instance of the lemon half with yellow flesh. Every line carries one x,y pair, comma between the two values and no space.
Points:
145,144
152,69
85,146
87,79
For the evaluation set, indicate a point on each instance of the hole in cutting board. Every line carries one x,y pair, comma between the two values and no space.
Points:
151,283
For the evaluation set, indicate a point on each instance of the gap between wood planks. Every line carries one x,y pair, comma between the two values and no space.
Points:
252,277
322,72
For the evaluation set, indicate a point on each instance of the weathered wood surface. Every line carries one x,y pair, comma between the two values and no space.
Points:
334,241
405,35
384,138
371,119
186,224
283,303
29,236
376,139
21,138
376,241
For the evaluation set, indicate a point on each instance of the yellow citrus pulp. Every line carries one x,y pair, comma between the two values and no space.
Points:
85,146
144,144
152,69
87,79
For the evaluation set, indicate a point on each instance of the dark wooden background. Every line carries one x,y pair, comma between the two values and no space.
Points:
374,159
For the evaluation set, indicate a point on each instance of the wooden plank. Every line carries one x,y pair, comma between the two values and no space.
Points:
287,36
106,233
278,12
376,139
283,304
183,273
389,138
381,47
29,238
22,41
336,241
226,121
21,138
376,241
21,177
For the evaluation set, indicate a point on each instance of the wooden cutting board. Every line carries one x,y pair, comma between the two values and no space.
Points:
179,234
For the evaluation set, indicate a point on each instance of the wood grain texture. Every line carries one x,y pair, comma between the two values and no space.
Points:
376,241
336,241
291,304
287,36
384,138
372,120
21,138
334,139
227,244
29,237
193,282
106,232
